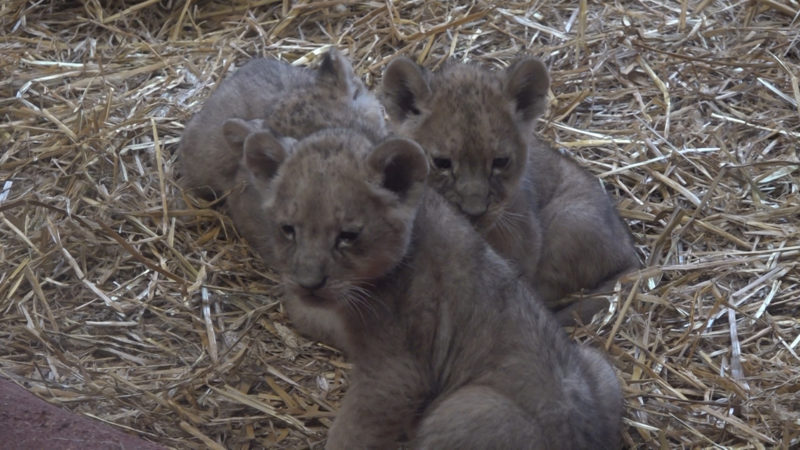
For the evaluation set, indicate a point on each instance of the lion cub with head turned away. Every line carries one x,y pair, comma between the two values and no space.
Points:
290,101
444,357
541,210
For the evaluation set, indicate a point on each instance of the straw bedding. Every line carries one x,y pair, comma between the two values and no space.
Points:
122,300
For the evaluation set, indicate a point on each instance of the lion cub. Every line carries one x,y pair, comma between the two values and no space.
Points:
537,208
222,148
267,93
442,358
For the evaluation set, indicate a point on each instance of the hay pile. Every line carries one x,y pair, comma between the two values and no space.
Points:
119,302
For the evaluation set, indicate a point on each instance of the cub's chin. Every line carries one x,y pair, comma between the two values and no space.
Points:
333,296
320,298
487,220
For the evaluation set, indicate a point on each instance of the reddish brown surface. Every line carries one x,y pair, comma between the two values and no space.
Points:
28,422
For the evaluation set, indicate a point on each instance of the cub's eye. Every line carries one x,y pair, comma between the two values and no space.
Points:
347,238
288,231
442,163
500,163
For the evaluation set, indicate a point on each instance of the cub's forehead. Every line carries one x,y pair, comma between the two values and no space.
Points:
329,200
467,82
470,94
468,110
323,181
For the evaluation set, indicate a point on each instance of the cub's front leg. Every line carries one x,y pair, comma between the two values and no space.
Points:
380,408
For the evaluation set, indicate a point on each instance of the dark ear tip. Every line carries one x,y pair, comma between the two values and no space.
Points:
401,163
541,69
532,71
405,87
530,60
399,141
411,151
234,123
400,69
261,136
411,145
336,70
331,54
264,153
235,131
400,61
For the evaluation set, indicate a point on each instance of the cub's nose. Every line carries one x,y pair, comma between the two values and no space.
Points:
473,206
312,283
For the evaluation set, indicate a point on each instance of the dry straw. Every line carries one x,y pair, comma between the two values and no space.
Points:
119,302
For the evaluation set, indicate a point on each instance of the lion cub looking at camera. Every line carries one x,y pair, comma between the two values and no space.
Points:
442,358
537,208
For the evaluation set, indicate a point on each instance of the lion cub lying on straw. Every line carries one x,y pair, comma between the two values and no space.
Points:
443,358
290,101
537,208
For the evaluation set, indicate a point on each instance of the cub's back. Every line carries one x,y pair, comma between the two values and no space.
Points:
289,101
473,322
207,163
250,91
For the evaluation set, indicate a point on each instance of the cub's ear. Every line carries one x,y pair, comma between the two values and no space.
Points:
401,167
336,71
404,88
236,131
264,154
526,83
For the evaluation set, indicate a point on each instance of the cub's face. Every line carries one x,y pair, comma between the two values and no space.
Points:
473,125
476,153
339,214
